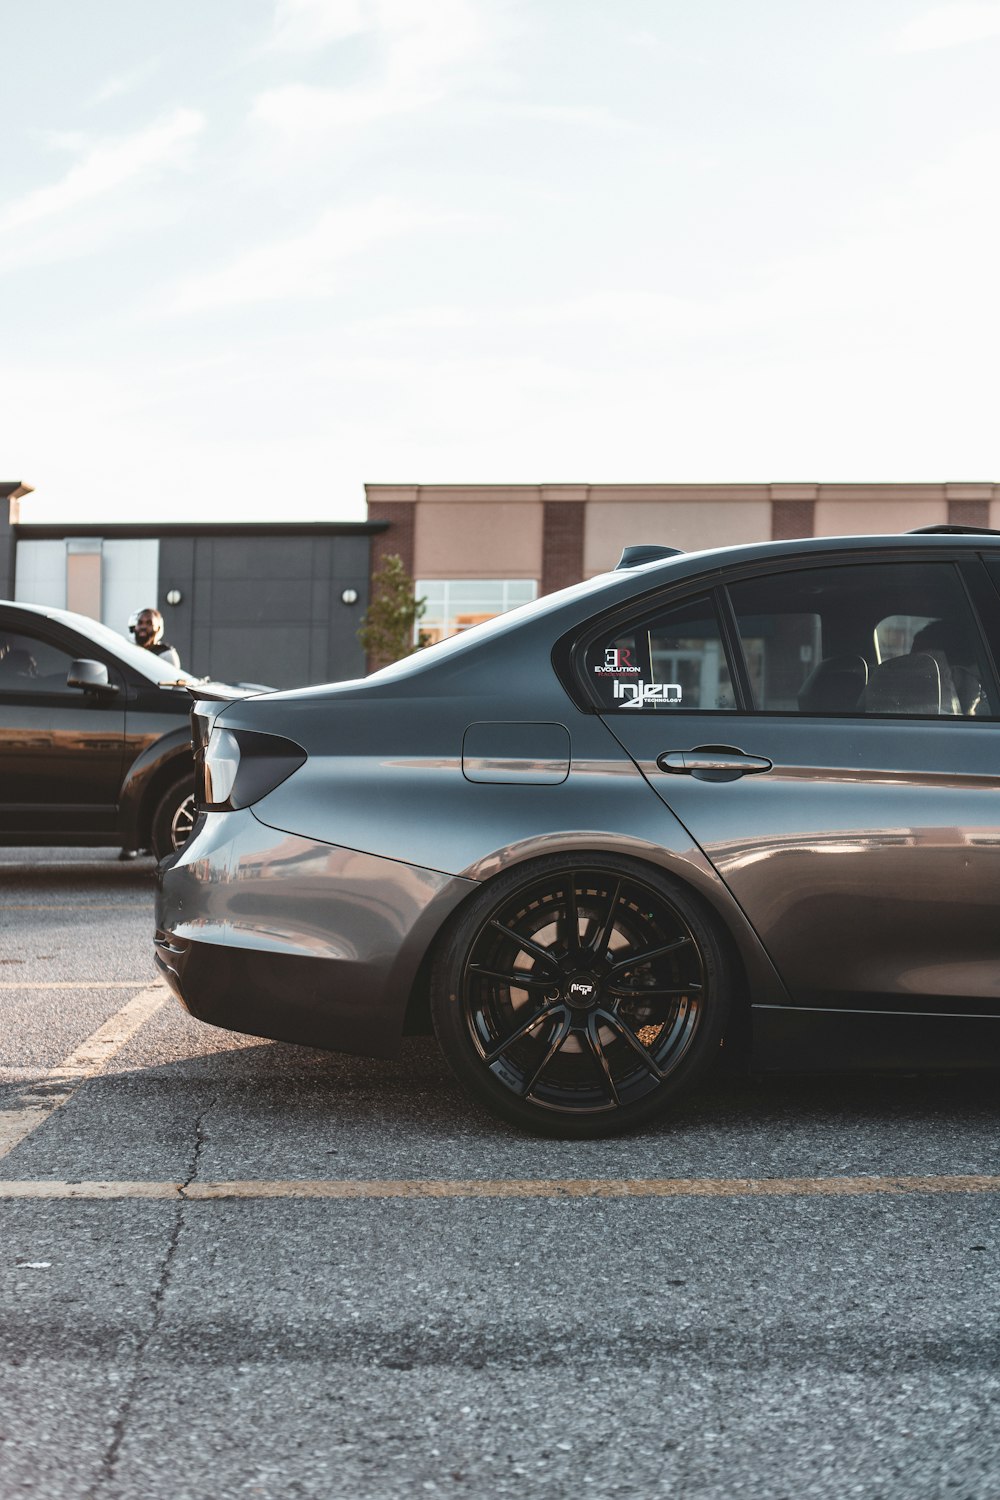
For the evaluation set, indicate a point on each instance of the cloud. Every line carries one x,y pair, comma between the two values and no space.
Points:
587,116
300,110
303,25
126,83
636,316
951,26
418,50
300,266
416,38
105,168
72,142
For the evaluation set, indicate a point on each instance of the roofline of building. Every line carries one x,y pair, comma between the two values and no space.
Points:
34,531
964,489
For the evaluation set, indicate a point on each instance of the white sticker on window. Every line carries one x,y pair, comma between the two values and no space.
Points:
648,694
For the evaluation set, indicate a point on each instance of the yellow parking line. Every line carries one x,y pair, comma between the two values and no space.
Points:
599,1187
52,1090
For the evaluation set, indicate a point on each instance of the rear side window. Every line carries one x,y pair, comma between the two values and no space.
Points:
668,660
895,639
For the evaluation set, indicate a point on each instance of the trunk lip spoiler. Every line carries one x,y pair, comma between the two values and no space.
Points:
213,692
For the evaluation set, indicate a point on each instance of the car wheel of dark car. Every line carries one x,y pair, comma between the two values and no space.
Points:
173,819
579,999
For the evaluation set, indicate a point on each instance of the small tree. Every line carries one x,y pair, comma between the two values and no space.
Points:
387,628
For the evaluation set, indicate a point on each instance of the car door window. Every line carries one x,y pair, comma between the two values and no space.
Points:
31,665
668,659
897,639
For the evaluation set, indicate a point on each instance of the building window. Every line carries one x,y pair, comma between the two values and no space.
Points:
455,604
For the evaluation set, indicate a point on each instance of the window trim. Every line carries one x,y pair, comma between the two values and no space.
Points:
734,645
983,591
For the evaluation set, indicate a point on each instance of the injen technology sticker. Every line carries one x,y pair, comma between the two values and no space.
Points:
647,694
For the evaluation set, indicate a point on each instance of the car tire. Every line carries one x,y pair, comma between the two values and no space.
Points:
173,818
623,991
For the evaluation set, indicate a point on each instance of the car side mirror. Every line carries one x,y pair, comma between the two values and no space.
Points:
92,677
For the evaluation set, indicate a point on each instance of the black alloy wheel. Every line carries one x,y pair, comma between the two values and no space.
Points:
580,999
173,819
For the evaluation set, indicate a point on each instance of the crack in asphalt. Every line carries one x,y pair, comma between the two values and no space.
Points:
118,1428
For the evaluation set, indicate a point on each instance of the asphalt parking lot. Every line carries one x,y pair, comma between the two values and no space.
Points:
233,1268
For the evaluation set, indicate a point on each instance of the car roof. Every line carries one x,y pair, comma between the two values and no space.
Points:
807,546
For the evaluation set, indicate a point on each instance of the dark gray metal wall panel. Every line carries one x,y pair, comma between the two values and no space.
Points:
262,599
202,611
272,654
266,609
6,559
350,559
350,570
319,597
246,557
177,572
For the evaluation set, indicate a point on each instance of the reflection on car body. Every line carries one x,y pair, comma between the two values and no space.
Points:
787,853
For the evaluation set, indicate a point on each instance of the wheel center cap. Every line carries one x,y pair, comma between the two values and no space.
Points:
581,992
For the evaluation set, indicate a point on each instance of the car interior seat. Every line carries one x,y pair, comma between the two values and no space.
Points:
911,684
834,686
956,657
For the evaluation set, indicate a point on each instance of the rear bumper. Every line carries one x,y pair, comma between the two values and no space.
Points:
280,936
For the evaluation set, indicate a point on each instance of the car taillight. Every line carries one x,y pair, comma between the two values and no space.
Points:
239,767
222,761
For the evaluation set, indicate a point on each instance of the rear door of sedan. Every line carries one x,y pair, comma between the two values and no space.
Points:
828,730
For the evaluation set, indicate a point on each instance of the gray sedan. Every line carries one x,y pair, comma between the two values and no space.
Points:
741,806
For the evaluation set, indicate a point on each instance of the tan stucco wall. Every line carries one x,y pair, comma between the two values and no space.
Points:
876,517
687,524
470,539
496,531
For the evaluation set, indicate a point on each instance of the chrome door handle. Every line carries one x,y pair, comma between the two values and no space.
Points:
729,762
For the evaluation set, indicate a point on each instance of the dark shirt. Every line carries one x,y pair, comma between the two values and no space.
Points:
164,648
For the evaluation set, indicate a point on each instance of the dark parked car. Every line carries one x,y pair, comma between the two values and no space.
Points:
744,802
95,738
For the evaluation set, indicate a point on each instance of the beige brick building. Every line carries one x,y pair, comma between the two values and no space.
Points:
479,548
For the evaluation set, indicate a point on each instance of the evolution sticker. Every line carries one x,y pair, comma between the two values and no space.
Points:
648,694
617,663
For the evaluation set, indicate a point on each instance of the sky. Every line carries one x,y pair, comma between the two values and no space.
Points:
257,253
